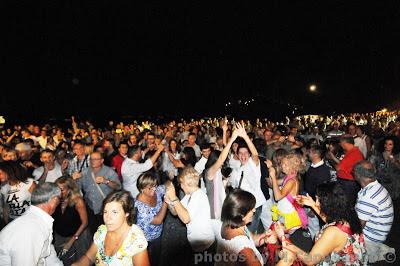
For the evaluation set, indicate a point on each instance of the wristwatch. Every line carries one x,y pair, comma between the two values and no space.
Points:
107,182
76,237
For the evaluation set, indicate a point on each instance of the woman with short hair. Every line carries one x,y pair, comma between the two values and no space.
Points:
151,211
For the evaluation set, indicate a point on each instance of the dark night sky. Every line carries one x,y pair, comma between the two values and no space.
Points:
59,55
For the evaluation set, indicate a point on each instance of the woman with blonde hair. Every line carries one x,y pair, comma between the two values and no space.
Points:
70,222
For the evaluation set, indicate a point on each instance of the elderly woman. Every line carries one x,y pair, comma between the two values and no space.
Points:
71,240
340,241
119,241
151,211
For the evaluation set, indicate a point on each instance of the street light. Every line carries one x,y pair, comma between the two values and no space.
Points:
313,88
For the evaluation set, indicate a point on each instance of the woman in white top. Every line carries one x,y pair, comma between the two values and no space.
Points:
16,191
236,244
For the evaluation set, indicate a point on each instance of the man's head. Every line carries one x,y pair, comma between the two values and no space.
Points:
47,157
347,142
352,129
46,196
189,180
123,148
268,134
243,153
24,150
96,159
364,172
205,149
316,153
135,153
192,139
79,149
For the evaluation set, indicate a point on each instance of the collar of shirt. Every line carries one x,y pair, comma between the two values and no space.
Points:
317,164
369,185
48,220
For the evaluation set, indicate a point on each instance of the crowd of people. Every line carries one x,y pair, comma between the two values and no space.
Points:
315,190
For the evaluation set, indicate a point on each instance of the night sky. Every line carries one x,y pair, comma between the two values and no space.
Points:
107,58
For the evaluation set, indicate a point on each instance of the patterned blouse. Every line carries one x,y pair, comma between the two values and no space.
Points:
133,244
145,214
353,253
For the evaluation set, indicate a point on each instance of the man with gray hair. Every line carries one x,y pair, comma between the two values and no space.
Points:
27,240
374,208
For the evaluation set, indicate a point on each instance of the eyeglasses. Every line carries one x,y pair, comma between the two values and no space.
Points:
153,187
95,159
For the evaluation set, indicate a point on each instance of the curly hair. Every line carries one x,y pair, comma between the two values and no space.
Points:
296,163
336,207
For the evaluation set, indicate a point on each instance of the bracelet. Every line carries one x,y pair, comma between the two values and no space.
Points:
76,237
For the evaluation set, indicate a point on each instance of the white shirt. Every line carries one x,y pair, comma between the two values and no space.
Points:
362,145
130,171
200,165
251,180
199,230
230,249
27,240
42,142
52,175
17,197
320,163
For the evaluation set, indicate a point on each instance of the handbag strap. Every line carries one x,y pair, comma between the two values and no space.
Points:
97,185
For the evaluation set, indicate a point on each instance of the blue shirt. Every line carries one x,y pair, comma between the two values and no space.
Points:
146,214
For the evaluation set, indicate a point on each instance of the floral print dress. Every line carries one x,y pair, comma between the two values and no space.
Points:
353,253
134,243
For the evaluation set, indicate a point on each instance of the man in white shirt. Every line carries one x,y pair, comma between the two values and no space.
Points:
248,175
132,168
201,164
27,240
205,153
50,170
193,210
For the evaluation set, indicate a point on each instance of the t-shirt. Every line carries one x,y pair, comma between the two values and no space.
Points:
346,165
251,180
52,175
17,197
199,231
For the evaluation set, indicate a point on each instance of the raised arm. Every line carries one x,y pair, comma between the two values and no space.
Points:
222,157
242,133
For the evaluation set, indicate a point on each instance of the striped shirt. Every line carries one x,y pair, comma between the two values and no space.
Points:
374,205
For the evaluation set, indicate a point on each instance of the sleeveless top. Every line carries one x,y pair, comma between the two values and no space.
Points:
230,249
288,212
66,224
17,197
134,243
145,215
354,252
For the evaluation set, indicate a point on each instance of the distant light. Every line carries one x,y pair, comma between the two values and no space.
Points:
313,88
384,110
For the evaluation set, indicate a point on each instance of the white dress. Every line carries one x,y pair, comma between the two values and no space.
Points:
228,250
